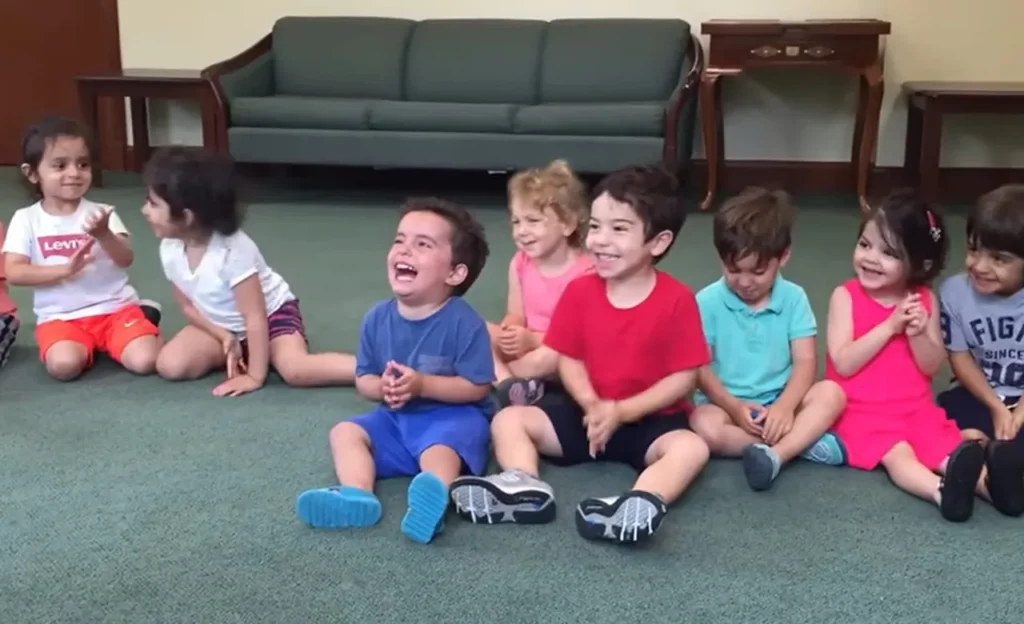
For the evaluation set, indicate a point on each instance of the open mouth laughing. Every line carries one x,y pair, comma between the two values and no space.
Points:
405,272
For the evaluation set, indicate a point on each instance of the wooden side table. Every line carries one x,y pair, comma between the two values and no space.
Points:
927,102
137,85
844,45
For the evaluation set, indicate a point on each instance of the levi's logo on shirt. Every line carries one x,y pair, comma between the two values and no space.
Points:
62,245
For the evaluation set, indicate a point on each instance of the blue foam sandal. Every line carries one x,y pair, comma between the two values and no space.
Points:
338,508
428,502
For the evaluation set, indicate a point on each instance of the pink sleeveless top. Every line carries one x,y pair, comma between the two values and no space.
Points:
542,292
892,376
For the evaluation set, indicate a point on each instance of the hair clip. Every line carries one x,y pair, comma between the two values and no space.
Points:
935,231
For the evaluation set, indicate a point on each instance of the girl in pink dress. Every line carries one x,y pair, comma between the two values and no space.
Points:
548,207
884,346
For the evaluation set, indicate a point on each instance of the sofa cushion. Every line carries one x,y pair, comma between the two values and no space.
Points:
354,57
474,60
441,117
284,111
612,60
630,119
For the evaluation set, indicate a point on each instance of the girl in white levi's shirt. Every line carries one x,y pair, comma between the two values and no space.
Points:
74,254
243,316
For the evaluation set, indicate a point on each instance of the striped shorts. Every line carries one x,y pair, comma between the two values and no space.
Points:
9,325
286,320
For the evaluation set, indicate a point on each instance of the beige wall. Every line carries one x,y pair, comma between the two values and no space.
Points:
771,117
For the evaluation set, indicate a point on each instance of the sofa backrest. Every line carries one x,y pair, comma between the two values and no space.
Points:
612,60
347,57
480,60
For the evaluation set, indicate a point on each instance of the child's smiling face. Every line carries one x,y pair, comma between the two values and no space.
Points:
65,171
420,260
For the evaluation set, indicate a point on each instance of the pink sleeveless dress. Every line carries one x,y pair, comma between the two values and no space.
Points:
541,292
889,400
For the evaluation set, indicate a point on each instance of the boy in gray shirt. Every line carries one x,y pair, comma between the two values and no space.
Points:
982,317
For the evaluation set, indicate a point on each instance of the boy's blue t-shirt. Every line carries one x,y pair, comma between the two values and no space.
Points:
452,342
751,349
990,327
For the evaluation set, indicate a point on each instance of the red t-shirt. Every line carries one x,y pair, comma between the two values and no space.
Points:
627,351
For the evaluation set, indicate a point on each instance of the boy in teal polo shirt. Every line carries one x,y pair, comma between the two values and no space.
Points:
758,398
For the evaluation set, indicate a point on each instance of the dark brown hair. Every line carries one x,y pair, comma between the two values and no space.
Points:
915,230
756,222
469,241
41,134
996,221
194,179
654,195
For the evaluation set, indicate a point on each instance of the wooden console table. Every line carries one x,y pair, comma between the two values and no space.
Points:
927,102
137,85
845,45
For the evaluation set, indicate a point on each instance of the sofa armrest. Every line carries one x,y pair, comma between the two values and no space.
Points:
250,73
681,112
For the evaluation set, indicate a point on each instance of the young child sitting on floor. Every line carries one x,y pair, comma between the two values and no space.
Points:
9,321
242,315
884,347
982,314
548,207
75,253
425,356
630,345
758,397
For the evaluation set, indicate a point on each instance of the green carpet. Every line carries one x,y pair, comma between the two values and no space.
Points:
137,500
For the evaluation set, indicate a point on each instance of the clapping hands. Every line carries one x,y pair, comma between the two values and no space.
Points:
399,384
909,316
98,223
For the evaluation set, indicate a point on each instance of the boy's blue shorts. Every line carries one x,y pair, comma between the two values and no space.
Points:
398,439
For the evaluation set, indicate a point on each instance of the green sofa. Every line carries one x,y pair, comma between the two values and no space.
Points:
475,94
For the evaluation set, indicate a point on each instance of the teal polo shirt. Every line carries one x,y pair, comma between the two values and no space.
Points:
750,349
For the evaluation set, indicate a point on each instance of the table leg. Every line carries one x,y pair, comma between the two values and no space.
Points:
869,134
140,132
912,146
712,127
89,109
929,156
208,110
858,126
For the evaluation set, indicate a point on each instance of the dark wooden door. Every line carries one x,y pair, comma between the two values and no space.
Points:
44,44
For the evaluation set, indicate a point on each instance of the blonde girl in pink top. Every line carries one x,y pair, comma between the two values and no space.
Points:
885,344
547,208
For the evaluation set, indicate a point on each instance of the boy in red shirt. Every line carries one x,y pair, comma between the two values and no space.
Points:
630,344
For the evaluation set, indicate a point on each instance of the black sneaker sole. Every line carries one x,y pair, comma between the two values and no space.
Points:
480,501
618,532
958,486
1005,478
152,311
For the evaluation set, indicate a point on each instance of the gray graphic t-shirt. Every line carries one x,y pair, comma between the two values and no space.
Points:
991,327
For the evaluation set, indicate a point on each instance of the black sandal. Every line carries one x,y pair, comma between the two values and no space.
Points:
1005,477
963,469
520,391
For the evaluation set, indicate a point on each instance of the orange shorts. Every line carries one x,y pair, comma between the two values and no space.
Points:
109,333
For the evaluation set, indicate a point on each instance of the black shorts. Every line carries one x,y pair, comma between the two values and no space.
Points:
970,413
628,445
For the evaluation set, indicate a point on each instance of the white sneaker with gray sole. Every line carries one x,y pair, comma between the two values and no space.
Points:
512,496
